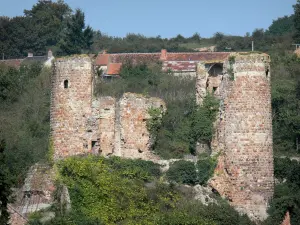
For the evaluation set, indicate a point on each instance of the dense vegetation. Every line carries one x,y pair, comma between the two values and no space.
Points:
287,191
47,25
24,116
121,191
186,172
184,123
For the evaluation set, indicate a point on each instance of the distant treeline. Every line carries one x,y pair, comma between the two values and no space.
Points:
55,25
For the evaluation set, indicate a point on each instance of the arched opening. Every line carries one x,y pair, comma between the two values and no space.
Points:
215,69
66,84
215,72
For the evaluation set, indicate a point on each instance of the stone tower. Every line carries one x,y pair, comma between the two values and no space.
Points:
70,105
243,138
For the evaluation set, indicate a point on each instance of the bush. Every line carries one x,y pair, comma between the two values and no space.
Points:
286,195
182,172
25,117
134,168
205,170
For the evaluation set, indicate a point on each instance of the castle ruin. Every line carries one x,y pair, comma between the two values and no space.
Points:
82,123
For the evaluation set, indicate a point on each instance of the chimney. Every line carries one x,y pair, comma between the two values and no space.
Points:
50,54
30,55
163,55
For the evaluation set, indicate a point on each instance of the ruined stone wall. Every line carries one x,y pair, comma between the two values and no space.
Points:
134,135
70,105
82,123
107,125
123,125
244,173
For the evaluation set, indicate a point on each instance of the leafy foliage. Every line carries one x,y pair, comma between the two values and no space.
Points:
5,186
101,194
47,25
285,104
297,22
286,194
182,172
24,116
78,37
184,123
282,26
205,168
185,172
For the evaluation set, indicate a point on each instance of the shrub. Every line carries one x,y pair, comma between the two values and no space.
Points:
25,117
134,168
205,169
182,172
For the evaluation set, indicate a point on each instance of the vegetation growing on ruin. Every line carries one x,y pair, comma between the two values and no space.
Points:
122,191
287,191
24,118
184,123
186,172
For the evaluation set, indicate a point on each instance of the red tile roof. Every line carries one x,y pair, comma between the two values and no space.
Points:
134,57
102,59
197,56
12,62
114,68
174,61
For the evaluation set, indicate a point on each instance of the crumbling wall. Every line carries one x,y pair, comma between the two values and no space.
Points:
35,195
82,123
70,105
107,125
244,174
134,135
201,83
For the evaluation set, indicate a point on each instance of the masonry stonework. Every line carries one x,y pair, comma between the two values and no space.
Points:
134,135
70,105
82,123
244,174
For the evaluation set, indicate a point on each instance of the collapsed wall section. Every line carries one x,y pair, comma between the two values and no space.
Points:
70,105
244,174
107,125
135,139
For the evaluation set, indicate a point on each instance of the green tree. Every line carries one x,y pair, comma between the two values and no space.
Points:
5,186
46,20
78,37
218,37
282,26
182,172
297,21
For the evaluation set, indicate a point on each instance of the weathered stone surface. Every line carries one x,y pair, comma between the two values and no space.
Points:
70,105
107,125
204,194
201,83
244,173
81,123
287,219
134,135
35,195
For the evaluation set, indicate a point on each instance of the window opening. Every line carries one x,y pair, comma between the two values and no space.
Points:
66,84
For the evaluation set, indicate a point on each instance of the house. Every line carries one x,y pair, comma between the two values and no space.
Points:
46,60
181,64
